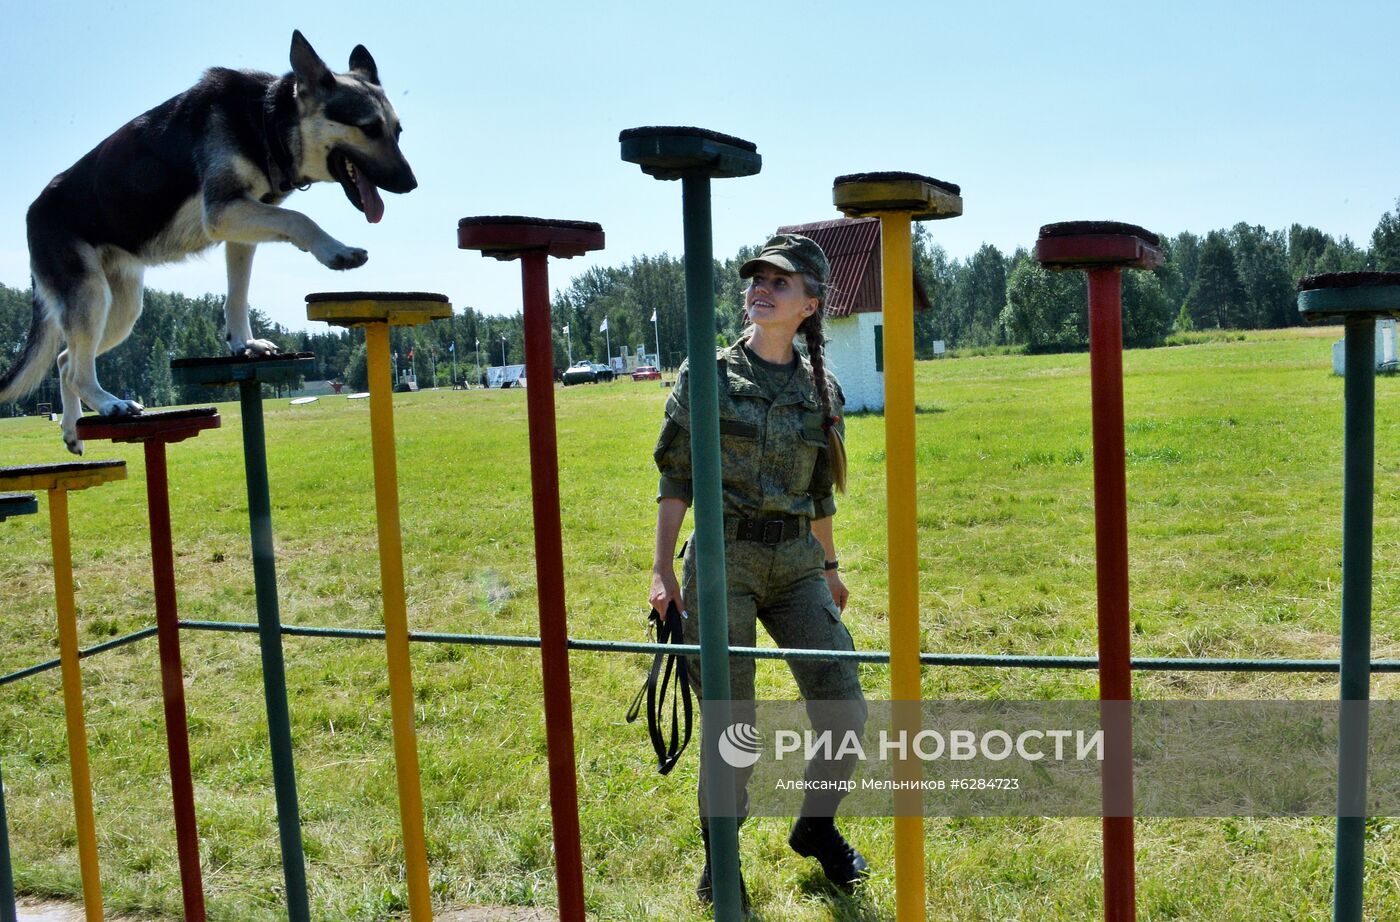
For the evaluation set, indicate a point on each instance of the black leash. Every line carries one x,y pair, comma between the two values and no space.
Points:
667,630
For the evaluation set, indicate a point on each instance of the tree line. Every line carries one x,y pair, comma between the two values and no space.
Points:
1237,278
174,326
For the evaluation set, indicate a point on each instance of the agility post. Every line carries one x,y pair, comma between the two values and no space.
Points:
695,156
154,431
1102,250
898,199
533,241
249,374
1357,299
11,504
58,480
376,312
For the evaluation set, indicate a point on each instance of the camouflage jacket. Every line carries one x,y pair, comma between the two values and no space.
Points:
773,455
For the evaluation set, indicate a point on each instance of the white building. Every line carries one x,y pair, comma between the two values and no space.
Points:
1386,352
854,311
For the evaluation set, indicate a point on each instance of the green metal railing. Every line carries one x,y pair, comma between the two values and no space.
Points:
956,660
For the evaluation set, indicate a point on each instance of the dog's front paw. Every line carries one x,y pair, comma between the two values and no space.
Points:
75,444
352,258
115,407
340,256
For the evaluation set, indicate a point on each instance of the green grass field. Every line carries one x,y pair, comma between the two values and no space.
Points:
1234,460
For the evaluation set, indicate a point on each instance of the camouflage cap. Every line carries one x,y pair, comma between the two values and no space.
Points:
791,253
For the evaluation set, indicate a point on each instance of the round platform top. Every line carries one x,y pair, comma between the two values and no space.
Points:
509,236
670,152
366,308
150,426
1334,296
226,370
924,198
1087,228
896,176
13,504
1084,245
62,467
515,220
1348,280
683,131
223,361
317,297
66,475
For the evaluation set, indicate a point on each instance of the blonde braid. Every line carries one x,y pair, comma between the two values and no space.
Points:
811,330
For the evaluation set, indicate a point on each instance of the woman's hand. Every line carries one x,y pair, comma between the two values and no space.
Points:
821,530
670,512
665,591
839,592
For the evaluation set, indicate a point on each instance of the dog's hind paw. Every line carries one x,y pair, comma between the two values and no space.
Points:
75,444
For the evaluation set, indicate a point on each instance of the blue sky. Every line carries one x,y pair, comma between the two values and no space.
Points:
1175,116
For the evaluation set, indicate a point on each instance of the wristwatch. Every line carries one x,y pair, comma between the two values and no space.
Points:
831,565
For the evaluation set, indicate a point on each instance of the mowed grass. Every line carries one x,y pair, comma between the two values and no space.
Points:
1234,459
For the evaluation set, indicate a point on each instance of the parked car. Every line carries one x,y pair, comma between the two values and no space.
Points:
646,373
586,372
580,372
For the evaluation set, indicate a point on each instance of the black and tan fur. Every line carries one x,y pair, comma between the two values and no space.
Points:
212,165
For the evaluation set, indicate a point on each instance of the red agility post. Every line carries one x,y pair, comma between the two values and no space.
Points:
533,241
156,430
1102,249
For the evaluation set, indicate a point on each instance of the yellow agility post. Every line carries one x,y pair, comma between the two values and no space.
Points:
57,480
897,199
376,312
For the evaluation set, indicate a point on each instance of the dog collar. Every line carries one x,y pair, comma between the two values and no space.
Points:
280,168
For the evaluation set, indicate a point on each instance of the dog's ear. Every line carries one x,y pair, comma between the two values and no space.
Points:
362,63
314,78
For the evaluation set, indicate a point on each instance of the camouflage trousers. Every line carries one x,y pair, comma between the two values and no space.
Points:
782,586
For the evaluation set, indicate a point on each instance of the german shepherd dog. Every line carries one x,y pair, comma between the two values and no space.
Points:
211,165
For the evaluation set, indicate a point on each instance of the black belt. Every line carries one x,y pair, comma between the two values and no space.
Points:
667,754
771,531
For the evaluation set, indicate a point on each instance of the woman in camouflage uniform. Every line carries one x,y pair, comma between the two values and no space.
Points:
781,456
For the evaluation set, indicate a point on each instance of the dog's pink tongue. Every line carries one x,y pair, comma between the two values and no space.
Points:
369,197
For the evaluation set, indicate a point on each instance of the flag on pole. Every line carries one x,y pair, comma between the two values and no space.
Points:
566,329
452,347
653,315
410,355
604,327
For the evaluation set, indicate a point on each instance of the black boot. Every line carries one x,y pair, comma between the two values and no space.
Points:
817,837
704,892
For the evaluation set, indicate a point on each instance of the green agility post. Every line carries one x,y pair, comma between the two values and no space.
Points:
10,504
695,156
250,374
1356,299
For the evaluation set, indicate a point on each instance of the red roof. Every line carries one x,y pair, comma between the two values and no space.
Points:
852,246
